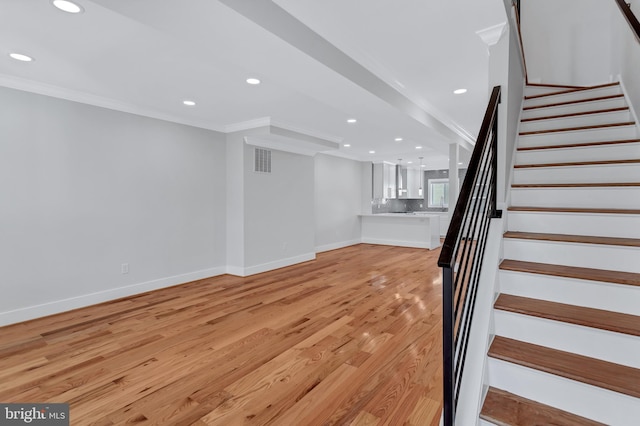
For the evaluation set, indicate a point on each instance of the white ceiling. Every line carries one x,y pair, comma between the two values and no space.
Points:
391,64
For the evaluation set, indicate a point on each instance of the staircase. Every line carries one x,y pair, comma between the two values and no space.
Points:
567,320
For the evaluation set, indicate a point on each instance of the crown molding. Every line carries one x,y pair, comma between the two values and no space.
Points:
492,35
269,122
45,89
308,132
247,125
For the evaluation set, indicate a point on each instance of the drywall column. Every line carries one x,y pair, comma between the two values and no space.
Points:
235,203
505,70
499,75
454,181
367,186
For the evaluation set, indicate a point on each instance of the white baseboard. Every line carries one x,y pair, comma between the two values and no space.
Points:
58,306
269,266
235,270
414,244
338,245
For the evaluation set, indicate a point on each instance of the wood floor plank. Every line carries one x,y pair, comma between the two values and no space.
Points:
583,239
316,341
507,409
590,274
588,317
615,377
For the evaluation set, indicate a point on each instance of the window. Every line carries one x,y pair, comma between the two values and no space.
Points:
438,193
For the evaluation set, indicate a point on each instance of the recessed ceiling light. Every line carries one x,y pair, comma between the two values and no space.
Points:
398,139
460,91
423,165
460,164
347,145
189,103
351,120
67,6
418,147
372,152
253,81
409,162
21,57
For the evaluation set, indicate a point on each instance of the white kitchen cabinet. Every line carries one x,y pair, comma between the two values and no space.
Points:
384,180
414,183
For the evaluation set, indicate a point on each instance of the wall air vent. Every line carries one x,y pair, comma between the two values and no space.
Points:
262,160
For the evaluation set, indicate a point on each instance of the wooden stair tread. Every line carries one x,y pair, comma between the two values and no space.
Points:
562,86
579,163
584,239
507,409
590,274
579,145
575,114
578,128
576,185
578,101
603,374
570,91
579,315
572,210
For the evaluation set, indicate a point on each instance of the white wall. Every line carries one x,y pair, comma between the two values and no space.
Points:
279,221
582,42
569,41
506,70
235,203
85,189
514,98
626,51
338,201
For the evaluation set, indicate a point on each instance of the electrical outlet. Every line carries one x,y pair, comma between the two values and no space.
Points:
124,268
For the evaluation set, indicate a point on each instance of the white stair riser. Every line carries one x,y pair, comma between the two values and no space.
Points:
590,153
578,136
581,120
540,90
574,96
596,256
592,342
600,225
573,108
626,172
592,294
609,197
575,397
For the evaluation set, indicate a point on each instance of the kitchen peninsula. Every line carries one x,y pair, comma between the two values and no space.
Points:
417,229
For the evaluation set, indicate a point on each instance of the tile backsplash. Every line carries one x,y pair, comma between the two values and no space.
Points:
393,205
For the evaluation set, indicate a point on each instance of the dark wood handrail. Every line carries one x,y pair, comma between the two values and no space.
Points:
448,247
631,18
463,252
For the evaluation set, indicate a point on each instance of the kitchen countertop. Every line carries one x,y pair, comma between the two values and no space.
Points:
419,229
406,215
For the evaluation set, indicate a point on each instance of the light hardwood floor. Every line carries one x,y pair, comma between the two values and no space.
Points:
352,338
